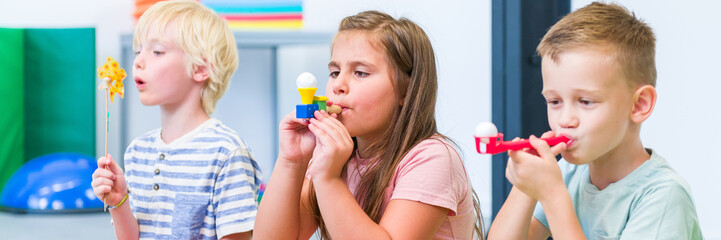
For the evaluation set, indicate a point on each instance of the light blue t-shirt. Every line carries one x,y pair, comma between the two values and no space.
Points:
652,202
203,185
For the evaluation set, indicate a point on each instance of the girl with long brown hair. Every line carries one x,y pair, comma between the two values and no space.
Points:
379,169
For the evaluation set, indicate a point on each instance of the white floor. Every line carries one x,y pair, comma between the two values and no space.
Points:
56,226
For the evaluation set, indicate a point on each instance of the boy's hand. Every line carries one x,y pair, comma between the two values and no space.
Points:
535,171
333,147
109,181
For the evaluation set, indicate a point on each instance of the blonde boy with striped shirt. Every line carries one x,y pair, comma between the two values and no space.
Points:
193,178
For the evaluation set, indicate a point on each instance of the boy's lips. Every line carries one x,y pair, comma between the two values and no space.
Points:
139,82
571,141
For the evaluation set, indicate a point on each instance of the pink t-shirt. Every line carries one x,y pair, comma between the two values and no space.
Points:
432,173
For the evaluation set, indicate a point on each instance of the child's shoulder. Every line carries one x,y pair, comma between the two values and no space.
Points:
149,136
436,150
218,133
435,144
660,177
659,188
146,139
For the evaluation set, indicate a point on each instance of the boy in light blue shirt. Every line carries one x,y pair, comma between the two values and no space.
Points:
599,79
652,202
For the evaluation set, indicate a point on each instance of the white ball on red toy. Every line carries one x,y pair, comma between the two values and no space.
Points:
486,129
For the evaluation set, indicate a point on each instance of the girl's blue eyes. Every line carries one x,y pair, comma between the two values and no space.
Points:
361,74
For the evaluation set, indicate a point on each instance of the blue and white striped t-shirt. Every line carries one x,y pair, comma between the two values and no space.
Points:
203,185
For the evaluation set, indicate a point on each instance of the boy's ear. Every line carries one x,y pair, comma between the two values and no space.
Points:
200,73
644,101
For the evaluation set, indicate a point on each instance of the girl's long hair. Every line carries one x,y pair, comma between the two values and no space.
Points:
408,50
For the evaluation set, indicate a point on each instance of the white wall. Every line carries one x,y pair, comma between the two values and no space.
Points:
685,124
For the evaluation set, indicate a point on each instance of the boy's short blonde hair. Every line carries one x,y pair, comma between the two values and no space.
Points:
602,25
204,37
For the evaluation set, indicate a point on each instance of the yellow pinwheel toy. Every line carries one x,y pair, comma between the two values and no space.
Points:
112,76
112,82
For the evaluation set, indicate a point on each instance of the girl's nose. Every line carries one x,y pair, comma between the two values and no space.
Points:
339,85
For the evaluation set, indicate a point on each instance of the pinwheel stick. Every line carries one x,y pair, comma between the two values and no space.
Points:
112,76
107,130
107,121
